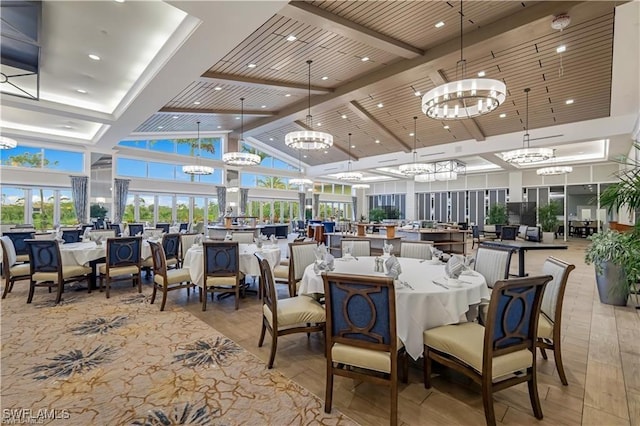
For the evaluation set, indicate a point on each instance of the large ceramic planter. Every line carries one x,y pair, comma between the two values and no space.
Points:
548,237
610,284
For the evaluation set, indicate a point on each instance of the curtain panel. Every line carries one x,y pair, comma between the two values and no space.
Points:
222,200
80,194
244,200
301,205
354,209
120,193
316,206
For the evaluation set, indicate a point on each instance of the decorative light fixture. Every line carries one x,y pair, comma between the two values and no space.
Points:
360,186
197,168
448,170
7,143
300,181
554,169
349,174
427,177
308,139
415,168
239,158
233,189
463,98
527,155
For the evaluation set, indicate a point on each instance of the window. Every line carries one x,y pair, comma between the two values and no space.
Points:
67,209
12,206
165,209
198,209
40,158
146,207
182,209
267,160
43,202
129,210
211,146
213,211
130,167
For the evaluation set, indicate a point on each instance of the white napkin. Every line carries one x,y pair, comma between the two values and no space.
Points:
227,237
273,239
325,265
387,248
454,267
393,267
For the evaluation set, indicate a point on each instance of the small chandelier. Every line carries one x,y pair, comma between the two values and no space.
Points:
233,189
448,170
349,175
241,158
465,98
300,181
7,143
308,139
427,177
527,155
197,168
415,168
360,186
554,169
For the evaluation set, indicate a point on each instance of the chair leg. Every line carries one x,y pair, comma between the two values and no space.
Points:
107,287
487,401
405,367
153,295
393,415
533,395
204,299
274,346
139,279
7,287
427,368
59,292
237,296
557,356
262,333
328,395
543,353
164,297
32,287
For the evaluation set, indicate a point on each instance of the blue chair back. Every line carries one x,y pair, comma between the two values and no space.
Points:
124,251
164,226
171,245
19,241
329,226
71,235
508,233
99,223
361,311
183,227
85,226
475,231
135,229
44,256
221,259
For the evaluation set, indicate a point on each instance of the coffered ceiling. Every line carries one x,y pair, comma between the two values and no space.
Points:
369,60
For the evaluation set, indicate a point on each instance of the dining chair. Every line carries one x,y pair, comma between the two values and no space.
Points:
123,262
164,279
299,314
221,270
550,323
493,263
165,227
503,352
358,247
44,236
171,247
71,235
19,243
508,233
135,229
416,249
186,241
184,227
84,226
47,270
361,334
245,237
102,233
11,270
476,237
116,227
301,255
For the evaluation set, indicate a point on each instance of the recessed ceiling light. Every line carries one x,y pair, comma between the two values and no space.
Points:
66,126
380,105
325,78
160,127
326,152
217,88
174,117
287,95
237,118
251,66
445,127
503,115
219,127
81,91
196,103
319,124
377,140
411,134
270,139
417,93
365,59
292,38
304,156
119,1
568,101
94,57
263,106
353,146
439,24
344,116
561,49
481,74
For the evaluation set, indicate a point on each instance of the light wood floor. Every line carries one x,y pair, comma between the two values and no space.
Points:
601,351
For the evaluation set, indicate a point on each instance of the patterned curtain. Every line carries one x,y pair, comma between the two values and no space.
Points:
316,206
301,205
120,192
222,199
354,200
80,194
244,199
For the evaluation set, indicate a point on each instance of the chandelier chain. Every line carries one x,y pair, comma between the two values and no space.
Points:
309,117
526,119
241,119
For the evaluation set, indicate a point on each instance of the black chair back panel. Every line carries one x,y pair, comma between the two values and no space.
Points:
171,245
159,260
183,227
135,229
221,258
508,232
164,226
44,255
71,235
124,251
19,241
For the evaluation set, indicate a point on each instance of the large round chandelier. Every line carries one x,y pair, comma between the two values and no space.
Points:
197,168
241,158
300,181
554,170
361,186
427,177
527,155
464,98
415,168
349,175
7,143
308,139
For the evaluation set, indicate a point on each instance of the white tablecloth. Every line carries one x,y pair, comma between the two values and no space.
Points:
194,260
426,306
84,252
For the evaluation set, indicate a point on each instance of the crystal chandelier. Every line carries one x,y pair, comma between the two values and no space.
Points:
241,158
349,175
308,139
197,168
7,143
300,181
464,98
415,168
554,169
360,186
442,171
527,155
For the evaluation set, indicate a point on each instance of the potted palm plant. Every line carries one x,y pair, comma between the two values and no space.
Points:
548,218
615,254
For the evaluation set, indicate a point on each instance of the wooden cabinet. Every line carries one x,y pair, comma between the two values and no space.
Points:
446,240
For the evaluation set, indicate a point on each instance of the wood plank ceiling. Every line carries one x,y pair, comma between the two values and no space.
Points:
375,99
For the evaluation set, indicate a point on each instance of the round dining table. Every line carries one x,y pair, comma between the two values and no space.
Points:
425,298
84,252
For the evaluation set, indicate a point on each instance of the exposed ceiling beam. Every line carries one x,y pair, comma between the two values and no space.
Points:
237,80
303,126
492,158
313,15
471,125
361,112
258,113
528,23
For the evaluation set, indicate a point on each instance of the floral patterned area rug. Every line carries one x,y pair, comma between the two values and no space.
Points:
120,361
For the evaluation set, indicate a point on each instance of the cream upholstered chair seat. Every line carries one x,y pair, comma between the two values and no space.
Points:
20,270
295,311
174,276
148,262
22,258
281,272
363,358
122,270
223,281
68,271
545,327
465,341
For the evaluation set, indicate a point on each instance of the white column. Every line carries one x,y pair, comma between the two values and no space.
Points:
410,203
515,187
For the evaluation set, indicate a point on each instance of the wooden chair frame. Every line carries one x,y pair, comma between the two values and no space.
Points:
507,250
359,241
160,270
9,279
231,270
293,291
135,261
